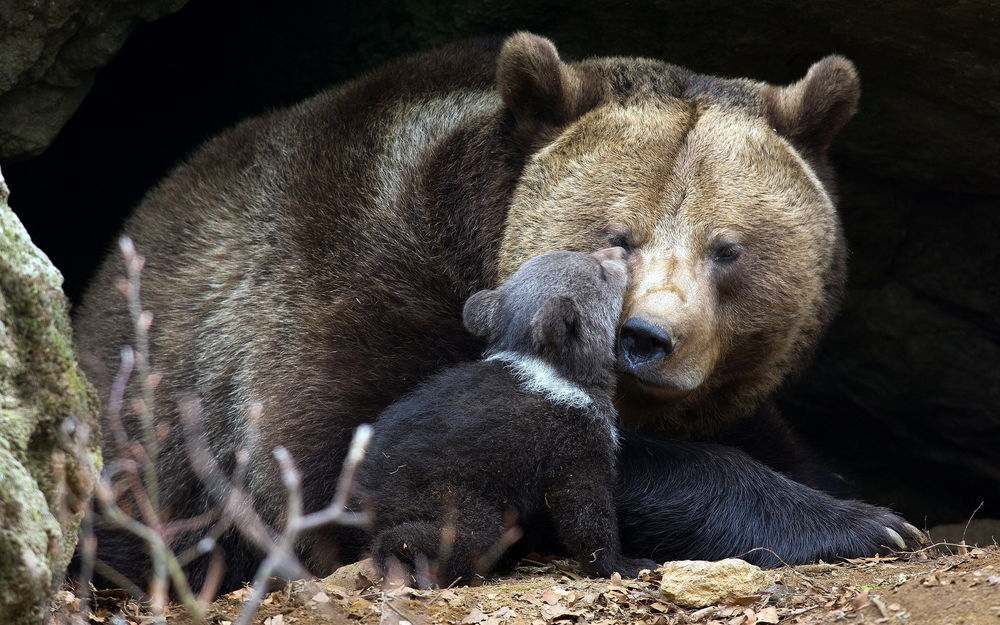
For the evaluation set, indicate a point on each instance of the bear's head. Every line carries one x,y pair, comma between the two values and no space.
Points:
561,307
720,193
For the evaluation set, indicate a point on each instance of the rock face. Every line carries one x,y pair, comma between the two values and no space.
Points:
47,462
697,584
49,54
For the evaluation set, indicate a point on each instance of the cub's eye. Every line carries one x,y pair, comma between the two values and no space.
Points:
622,240
727,253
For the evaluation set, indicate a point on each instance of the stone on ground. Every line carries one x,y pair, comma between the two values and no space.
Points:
697,584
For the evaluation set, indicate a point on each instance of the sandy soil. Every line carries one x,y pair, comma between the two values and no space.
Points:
945,590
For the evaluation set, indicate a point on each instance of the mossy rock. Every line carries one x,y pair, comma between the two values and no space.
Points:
49,446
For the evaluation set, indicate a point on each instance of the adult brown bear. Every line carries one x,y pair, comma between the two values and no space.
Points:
315,260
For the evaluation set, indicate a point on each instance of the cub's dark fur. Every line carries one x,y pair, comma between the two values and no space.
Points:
527,432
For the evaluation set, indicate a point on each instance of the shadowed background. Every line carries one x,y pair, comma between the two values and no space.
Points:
904,396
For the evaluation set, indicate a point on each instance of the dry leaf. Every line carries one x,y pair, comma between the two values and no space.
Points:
768,615
359,608
861,600
239,595
321,597
476,616
550,597
560,613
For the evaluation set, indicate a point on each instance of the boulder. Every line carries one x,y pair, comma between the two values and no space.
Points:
49,453
697,583
49,54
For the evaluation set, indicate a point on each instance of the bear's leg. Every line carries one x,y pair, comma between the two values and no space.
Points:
583,515
708,502
767,437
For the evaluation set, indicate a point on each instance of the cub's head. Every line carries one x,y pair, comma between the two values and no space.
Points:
562,307
720,194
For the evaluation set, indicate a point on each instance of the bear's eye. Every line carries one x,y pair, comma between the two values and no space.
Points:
622,240
727,252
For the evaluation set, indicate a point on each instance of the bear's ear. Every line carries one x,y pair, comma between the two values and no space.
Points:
479,313
541,92
555,324
812,111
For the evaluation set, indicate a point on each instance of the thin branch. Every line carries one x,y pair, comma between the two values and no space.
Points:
281,558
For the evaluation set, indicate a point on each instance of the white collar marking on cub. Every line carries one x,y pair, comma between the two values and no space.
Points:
538,376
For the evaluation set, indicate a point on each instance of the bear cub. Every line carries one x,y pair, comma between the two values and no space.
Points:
526,436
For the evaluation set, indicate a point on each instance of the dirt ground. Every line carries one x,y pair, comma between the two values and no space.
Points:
958,589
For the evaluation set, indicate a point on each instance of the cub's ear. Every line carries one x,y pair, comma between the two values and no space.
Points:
555,324
541,92
812,111
479,313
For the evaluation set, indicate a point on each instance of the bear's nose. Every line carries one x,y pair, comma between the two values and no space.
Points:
642,342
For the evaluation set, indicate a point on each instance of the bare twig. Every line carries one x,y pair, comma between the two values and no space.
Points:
281,557
131,477
88,552
969,522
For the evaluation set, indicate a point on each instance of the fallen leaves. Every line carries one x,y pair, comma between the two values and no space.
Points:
767,615
869,590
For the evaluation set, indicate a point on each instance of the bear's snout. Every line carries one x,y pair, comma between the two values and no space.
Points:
643,342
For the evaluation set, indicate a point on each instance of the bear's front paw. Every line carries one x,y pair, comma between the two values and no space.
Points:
630,567
626,567
878,531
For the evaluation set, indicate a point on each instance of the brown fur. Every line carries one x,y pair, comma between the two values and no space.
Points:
675,174
315,260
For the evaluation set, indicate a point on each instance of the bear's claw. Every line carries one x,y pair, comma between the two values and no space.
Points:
896,538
